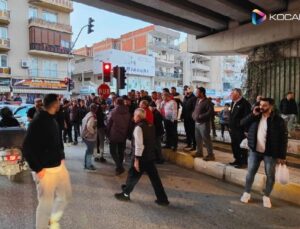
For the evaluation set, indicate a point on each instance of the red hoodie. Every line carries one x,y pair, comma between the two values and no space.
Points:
149,116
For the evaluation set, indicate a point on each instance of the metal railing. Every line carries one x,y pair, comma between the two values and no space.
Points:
50,48
50,25
160,44
168,74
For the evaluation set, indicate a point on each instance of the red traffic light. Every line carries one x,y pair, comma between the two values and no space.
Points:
106,71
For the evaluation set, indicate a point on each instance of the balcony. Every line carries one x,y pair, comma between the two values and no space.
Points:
6,71
39,22
49,50
168,75
4,17
200,66
57,5
4,44
161,46
203,79
47,74
165,63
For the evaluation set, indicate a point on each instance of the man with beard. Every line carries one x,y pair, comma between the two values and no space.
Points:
188,106
267,140
33,111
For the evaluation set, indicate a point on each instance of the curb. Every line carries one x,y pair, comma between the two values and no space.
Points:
289,193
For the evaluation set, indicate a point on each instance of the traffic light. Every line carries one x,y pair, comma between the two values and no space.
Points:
91,25
106,67
122,78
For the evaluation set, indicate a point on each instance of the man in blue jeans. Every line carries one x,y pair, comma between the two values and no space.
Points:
267,140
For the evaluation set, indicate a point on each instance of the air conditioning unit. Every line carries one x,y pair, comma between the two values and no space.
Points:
25,64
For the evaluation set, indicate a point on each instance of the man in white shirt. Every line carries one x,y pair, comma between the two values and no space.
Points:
267,140
169,112
143,161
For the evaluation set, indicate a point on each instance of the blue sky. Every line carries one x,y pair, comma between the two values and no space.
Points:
107,24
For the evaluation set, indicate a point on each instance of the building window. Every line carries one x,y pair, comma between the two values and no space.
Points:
50,17
3,62
3,33
33,72
65,44
33,12
50,69
3,4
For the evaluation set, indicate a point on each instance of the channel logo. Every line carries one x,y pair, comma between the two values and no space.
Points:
258,17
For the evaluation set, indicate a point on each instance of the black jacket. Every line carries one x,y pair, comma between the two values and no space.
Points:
237,113
188,106
100,117
9,122
148,140
277,135
158,123
288,107
203,111
43,149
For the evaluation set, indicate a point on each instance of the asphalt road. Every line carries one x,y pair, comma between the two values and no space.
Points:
197,201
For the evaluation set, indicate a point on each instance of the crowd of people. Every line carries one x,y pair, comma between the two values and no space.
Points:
147,121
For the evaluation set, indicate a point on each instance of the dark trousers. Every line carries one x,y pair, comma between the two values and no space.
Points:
134,177
117,153
189,126
158,153
240,155
75,126
213,126
68,132
223,128
171,132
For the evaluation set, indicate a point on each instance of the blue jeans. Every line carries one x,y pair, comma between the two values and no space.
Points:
254,161
89,153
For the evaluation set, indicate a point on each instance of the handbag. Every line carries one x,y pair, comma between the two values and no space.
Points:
282,174
244,144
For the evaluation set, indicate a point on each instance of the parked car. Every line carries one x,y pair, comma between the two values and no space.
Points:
19,111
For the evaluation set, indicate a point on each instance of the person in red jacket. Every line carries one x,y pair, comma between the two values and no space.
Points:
144,104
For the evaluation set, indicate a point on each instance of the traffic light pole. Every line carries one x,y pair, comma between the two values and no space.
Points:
118,81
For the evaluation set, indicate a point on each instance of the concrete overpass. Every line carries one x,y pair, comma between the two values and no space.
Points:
215,26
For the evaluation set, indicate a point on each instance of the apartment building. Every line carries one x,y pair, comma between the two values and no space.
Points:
155,41
35,42
233,71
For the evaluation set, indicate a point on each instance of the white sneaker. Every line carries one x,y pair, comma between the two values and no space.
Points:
267,202
245,197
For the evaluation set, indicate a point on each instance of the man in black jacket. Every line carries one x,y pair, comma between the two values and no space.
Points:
188,106
159,132
202,116
143,160
240,108
289,110
43,151
267,140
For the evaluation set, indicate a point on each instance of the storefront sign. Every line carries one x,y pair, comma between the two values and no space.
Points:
39,84
135,64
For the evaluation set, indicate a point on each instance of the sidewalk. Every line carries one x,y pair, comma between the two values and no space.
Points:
221,170
293,144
